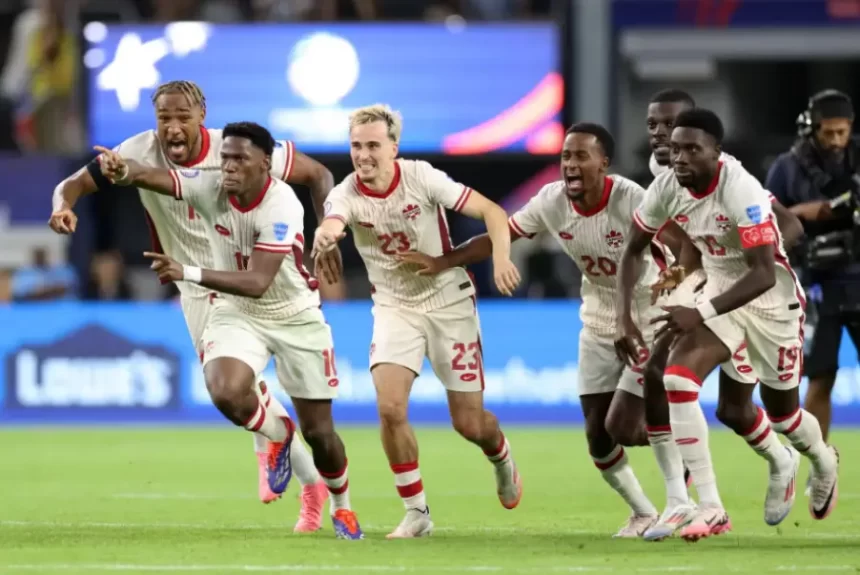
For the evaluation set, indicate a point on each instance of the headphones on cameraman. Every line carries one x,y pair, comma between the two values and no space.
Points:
806,122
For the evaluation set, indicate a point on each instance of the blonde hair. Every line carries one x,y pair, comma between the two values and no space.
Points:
190,90
378,113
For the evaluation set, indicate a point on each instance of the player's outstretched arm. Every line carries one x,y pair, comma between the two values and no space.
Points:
472,251
505,273
629,338
308,172
127,172
328,233
253,282
66,195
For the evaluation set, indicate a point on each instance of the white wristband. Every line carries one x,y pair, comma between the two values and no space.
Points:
706,310
192,274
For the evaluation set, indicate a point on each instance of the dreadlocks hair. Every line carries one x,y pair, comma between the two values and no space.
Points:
190,90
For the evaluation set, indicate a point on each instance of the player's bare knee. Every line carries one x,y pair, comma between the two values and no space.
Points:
318,434
393,412
620,428
730,415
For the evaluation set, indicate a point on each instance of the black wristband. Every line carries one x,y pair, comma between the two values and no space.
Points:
102,183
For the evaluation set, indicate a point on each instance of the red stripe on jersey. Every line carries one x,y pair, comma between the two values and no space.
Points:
298,256
177,185
288,161
153,238
300,239
516,227
444,233
658,256
274,249
464,197
637,219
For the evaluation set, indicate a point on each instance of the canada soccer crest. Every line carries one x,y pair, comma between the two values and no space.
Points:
615,239
411,211
723,223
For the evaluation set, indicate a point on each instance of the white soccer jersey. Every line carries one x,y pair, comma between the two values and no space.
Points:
734,213
594,240
272,223
175,228
409,216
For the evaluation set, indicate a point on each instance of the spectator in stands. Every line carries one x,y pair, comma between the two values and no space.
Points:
42,281
107,278
40,77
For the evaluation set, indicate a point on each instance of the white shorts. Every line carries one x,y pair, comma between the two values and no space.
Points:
774,348
450,337
196,311
302,346
600,370
738,367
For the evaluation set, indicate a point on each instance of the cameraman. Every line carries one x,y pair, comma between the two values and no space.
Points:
816,181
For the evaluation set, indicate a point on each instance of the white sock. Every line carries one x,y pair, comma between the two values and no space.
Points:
407,479
804,432
767,444
301,459
338,487
616,471
501,455
690,429
273,428
671,464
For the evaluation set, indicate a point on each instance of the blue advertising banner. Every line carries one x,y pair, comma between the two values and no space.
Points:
734,13
473,89
134,363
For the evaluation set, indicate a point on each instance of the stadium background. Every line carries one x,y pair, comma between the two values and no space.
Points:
483,99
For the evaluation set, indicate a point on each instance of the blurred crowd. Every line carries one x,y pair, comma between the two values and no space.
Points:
41,112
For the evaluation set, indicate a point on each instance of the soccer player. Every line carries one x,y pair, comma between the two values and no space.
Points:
737,380
751,295
268,303
181,140
394,206
588,213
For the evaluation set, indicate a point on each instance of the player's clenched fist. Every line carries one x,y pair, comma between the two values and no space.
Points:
63,221
112,165
168,269
506,275
325,240
669,279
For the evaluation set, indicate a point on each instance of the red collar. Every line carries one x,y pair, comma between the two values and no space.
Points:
604,199
204,149
244,209
395,181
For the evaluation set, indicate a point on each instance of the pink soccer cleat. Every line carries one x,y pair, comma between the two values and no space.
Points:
708,521
265,492
313,500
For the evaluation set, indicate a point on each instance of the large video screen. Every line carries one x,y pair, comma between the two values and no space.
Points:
461,90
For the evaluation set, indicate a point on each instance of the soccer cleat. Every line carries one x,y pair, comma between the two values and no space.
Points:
781,490
707,521
636,525
824,490
313,500
346,525
278,463
509,485
672,519
416,523
265,492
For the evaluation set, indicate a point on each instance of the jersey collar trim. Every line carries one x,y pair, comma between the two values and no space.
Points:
711,187
204,149
395,181
244,209
604,200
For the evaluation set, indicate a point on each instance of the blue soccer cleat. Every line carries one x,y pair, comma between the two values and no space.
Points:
279,469
346,525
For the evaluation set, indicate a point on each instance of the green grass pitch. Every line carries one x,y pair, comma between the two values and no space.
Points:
143,501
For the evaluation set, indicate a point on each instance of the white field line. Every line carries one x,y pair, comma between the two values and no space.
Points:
442,529
295,568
